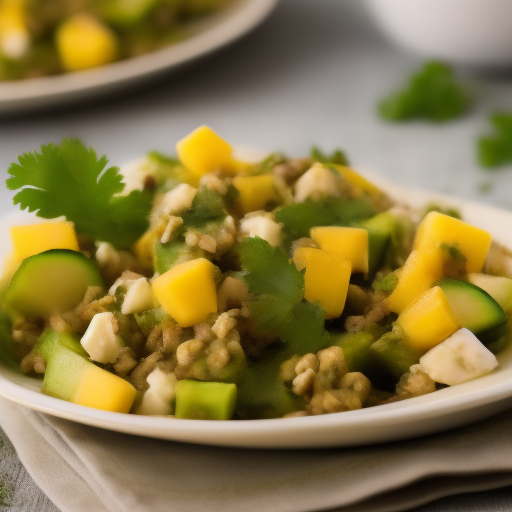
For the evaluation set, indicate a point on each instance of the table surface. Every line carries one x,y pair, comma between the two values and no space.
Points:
310,75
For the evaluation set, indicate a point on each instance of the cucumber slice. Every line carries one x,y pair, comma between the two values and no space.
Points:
380,227
50,339
54,280
474,308
498,287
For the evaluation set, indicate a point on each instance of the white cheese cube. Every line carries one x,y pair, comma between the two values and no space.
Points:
262,226
138,298
159,397
316,183
178,199
457,359
100,341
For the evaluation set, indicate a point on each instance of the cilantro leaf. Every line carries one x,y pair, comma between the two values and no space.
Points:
336,157
299,218
496,149
431,93
69,180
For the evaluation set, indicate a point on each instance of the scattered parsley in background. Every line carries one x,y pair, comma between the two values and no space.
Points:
432,93
495,150
338,156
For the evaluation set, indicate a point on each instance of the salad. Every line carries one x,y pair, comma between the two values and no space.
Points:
206,287
48,37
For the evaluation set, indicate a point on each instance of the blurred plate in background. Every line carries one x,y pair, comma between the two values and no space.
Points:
211,34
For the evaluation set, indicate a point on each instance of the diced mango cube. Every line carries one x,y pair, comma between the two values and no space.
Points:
35,238
428,320
187,292
203,151
437,229
326,279
350,244
255,192
359,183
422,268
85,42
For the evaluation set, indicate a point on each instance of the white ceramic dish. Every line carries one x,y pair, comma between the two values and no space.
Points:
445,409
210,34
470,32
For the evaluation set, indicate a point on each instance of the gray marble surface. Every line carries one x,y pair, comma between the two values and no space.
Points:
311,74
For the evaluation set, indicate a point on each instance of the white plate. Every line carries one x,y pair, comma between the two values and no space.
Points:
445,409
210,34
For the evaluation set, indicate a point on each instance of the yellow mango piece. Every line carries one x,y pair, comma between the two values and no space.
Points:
437,229
187,292
14,33
428,320
203,151
35,238
360,184
350,244
326,279
255,192
144,248
90,391
85,42
422,268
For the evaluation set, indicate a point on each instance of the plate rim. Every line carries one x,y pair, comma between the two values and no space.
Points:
223,28
483,400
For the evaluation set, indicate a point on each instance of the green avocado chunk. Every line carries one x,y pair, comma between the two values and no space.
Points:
196,400
379,227
50,339
356,349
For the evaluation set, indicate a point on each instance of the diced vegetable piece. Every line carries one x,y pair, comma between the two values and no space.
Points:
173,253
256,192
100,340
197,400
35,238
75,379
50,339
380,227
350,244
85,42
316,183
459,358
326,279
187,291
422,268
262,394
390,358
355,347
428,320
54,280
474,308
496,339
126,14
498,287
158,399
437,229
138,298
149,319
360,184
203,151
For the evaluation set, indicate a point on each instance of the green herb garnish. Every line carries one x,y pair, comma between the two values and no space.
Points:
432,93
69,180
496,149
337,157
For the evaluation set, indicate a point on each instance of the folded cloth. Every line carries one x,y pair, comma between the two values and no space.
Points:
84,468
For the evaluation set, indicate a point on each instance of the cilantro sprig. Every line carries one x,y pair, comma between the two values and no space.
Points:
277,304
432,93
495,149
69,180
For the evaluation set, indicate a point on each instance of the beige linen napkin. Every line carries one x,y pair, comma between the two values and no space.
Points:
83,469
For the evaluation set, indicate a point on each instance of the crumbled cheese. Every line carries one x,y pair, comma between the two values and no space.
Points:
316,183
100,341
138,298
159,397
178,199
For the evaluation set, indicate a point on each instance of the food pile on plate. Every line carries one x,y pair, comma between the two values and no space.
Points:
207,287
47,37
